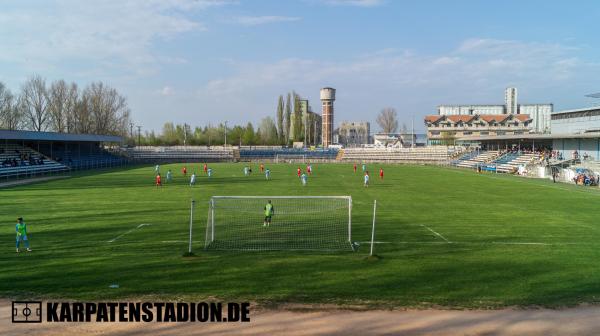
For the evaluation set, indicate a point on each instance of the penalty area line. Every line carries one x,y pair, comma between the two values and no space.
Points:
124,233
435,233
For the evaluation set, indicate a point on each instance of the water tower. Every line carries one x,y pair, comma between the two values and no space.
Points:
327,98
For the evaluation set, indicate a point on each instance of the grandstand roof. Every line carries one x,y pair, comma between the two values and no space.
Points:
53,136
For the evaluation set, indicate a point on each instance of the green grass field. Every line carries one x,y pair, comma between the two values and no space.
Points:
451,238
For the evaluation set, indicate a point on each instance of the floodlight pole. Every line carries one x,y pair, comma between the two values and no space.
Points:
225,133
373,230
191,221
139,134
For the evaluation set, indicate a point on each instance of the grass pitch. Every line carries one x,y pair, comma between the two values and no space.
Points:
447,237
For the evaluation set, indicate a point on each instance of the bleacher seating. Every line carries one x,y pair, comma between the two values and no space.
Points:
510,162
273,153
39,164
481,158
432,154
189,153
496,161
88,159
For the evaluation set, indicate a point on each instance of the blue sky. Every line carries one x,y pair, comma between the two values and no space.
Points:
206,61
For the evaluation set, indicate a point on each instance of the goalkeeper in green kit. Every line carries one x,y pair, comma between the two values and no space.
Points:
21,229
269,212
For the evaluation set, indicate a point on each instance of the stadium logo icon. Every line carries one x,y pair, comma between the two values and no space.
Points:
27,312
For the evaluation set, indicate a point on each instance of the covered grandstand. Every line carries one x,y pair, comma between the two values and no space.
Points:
28,153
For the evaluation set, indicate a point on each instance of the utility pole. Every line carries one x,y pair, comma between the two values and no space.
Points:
305,126
184,134
412,136
131,130
139,134
225,133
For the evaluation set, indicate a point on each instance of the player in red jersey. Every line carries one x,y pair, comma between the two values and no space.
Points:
158,181
262,168
205,168
355,167
381,173
184,171
309,169
299,172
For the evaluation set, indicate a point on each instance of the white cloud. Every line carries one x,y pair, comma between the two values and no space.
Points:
260,20
476,71
112,33
166,91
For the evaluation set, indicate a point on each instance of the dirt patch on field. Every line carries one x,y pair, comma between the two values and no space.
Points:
583,320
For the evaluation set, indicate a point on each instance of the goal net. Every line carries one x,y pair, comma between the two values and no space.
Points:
289,158
297,223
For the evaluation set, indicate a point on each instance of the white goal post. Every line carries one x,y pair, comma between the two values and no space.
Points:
313,223
289,158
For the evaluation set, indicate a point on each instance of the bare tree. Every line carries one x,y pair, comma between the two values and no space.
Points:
108,110
35,103
57,98
11,117
81,122
70,105
268,131
388,120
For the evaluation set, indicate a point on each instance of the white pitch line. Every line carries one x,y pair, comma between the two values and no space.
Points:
375,242
121,235
519,243
437,234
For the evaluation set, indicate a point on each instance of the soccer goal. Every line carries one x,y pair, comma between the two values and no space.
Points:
316,223
290,158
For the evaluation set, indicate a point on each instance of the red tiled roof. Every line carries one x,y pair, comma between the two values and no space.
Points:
493,117
433,118
463,118
498,118
522,117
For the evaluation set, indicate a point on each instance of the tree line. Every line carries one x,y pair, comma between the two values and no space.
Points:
64,107
289,125
183,134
